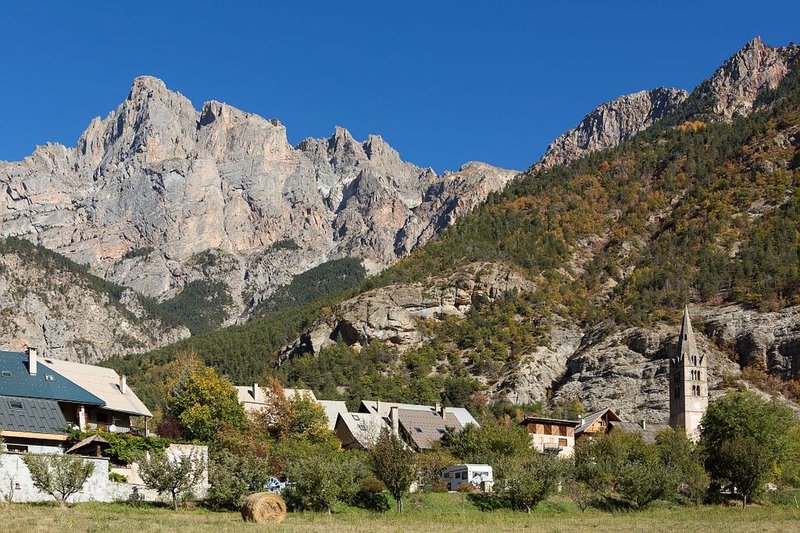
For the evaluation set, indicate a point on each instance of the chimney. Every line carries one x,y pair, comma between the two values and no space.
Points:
395,420
123,384
438,409
254,392
643,423
33,360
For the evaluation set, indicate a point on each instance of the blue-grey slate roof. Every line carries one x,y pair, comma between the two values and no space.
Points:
47,384
32,415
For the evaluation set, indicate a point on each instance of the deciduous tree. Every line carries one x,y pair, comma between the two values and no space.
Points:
393,463
59,475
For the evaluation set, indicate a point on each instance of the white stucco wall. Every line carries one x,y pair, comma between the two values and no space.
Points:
14,473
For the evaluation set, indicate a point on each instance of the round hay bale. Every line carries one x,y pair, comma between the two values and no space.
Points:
264,507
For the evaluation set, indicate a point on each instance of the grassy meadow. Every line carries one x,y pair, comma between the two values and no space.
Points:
428,512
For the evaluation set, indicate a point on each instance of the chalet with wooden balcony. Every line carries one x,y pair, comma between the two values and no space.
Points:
40,398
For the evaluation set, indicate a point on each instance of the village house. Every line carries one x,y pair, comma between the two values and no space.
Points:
255,398
359,431
552,435
41,398
595,424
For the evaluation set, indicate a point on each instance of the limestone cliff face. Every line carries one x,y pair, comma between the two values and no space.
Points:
392,314
60,313
155,185
611,123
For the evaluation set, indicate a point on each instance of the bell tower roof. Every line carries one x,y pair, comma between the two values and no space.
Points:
688,344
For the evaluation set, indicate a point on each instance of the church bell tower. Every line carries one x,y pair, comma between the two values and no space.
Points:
688,383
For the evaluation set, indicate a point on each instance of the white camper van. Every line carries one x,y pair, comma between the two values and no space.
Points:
481,476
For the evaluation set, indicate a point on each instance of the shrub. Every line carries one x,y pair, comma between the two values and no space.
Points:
59,475
322,479
438,486
468,488
173,476
117,477
528,479
233,477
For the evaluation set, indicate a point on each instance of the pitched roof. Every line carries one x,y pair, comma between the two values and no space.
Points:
587,420
648,433
102,382
256,401
463,416
47,384
364,427
97,439
31,415
459,414
424,428
332,410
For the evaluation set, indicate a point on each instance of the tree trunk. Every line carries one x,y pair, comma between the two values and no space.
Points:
174,501
399,500
744,501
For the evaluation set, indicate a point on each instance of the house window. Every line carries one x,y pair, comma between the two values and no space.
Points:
362,427
7,374
355,417
442,431
562,442
15,404
102,417
19,448
418,430
48,377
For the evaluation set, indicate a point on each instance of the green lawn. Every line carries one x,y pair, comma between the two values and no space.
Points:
429,513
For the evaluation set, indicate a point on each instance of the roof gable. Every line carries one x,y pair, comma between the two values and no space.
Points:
48,384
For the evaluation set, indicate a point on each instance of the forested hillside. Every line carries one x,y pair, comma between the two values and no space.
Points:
690,210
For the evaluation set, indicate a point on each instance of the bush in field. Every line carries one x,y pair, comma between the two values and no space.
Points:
322,479
371,495
621,466
59,475
233,477
173,476
528,479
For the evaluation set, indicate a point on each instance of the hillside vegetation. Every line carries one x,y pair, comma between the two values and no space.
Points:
687,211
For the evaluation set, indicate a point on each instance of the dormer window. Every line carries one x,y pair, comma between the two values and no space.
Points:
6,374
15,404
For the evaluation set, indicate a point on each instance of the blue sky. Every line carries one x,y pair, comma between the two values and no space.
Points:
443,82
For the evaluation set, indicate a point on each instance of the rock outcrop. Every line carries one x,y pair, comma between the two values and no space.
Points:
611,123
736,84
62,314
392,314
155,187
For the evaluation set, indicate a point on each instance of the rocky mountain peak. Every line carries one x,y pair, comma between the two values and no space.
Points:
735,85
156,183
611,123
